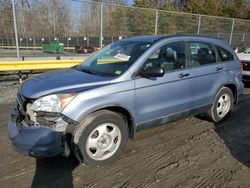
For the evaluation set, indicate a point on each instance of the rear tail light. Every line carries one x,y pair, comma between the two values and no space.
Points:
241,67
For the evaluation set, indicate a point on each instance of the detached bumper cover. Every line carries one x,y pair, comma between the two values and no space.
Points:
32,140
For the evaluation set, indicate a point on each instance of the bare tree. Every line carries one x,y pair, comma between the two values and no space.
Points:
6,21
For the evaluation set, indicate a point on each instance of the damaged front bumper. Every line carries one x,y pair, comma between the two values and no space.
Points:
37,141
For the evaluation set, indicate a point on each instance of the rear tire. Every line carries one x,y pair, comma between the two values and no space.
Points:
222,106
100,138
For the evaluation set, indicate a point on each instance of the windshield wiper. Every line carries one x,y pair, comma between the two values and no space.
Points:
87,71
105,74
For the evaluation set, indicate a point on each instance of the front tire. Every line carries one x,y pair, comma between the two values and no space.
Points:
100,138
222,105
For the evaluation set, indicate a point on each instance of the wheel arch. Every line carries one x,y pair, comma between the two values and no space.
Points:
211,115
127,115
233,88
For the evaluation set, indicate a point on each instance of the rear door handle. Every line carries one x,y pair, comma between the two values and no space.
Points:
219,68
182,75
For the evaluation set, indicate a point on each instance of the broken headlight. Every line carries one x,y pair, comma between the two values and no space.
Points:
52,103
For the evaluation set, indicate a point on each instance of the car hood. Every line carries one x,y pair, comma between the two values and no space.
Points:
243,56
61,81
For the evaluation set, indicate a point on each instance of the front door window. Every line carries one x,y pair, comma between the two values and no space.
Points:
170,57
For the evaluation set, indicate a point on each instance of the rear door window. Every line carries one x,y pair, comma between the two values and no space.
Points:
201,53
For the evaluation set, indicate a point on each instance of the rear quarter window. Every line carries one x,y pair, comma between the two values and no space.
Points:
224,54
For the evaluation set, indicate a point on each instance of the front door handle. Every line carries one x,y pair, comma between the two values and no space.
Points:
182,75
219,68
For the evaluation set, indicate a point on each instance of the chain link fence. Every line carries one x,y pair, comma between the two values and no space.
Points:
70,28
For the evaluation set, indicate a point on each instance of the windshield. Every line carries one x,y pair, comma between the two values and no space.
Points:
247,50
114,59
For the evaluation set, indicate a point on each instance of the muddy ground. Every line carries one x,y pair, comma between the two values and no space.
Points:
187,153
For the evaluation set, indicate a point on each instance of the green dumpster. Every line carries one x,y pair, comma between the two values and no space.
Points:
53,47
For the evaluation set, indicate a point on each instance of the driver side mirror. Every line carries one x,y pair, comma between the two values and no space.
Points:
152,72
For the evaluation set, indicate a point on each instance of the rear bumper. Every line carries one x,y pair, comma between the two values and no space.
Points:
34,141
240,90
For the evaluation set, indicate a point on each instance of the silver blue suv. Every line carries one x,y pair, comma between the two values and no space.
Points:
92,109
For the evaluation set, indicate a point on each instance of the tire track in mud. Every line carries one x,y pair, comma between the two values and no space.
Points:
156,154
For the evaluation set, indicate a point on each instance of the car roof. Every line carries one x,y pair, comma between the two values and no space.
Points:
156,38
146,38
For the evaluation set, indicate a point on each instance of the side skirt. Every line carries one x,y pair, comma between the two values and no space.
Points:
166,119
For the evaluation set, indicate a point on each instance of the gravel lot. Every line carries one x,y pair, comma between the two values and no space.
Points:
8,92
187,153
